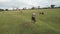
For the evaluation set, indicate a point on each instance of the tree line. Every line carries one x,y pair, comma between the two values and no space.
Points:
52,6
3,9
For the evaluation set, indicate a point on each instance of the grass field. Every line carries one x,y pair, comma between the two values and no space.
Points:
14,22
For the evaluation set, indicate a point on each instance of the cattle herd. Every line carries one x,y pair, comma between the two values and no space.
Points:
33,18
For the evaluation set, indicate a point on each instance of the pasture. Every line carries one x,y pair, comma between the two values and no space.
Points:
15,22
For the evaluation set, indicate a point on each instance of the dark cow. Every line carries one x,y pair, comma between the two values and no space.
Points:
33,19
42,13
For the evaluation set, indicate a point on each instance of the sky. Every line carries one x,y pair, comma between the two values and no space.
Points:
27,3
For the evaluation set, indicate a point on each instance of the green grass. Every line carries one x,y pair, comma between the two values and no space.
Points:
14,22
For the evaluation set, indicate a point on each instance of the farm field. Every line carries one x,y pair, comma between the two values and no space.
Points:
15,22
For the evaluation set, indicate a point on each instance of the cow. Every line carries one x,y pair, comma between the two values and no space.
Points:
33,17
42,13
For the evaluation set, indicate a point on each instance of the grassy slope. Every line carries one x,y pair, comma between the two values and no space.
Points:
13,22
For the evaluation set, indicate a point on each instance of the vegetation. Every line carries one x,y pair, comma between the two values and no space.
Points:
52,6
6,9
14,22
1,9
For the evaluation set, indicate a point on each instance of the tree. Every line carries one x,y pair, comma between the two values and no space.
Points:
58,7
24,8
6,9
38,7
1,9
33,8
52,6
